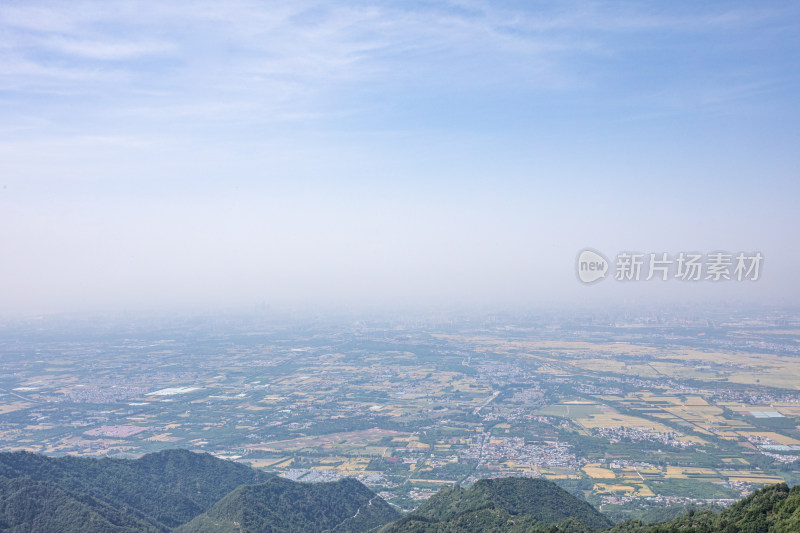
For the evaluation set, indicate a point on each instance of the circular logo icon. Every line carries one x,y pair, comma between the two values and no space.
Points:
592,266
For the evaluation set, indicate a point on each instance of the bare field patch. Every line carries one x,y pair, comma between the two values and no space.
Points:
596,471
350,439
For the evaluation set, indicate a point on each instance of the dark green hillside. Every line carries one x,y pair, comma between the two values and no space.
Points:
29,506
166,489
197,493
287,506
773,509
486,520
511,501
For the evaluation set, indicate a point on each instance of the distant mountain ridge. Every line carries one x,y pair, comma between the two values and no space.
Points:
185,492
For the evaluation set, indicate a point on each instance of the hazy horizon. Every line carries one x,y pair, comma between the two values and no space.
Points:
390,155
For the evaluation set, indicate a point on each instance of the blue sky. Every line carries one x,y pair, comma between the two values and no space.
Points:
217,154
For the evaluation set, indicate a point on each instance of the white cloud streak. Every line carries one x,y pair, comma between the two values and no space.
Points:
250,43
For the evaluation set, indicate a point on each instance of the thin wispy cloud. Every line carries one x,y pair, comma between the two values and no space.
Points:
108,50
309,42
313,60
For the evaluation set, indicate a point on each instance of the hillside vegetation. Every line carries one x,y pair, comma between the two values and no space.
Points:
187,492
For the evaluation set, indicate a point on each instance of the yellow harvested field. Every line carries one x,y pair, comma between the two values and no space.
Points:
786,410
735,460
770,369
353,465
695,400
757,479
696,413
598,472
377,450
681,472
649,470
606,488
748,476
674,472
777,437
698,470
620,420
615,419
331,440
14,406
163,437
517,466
